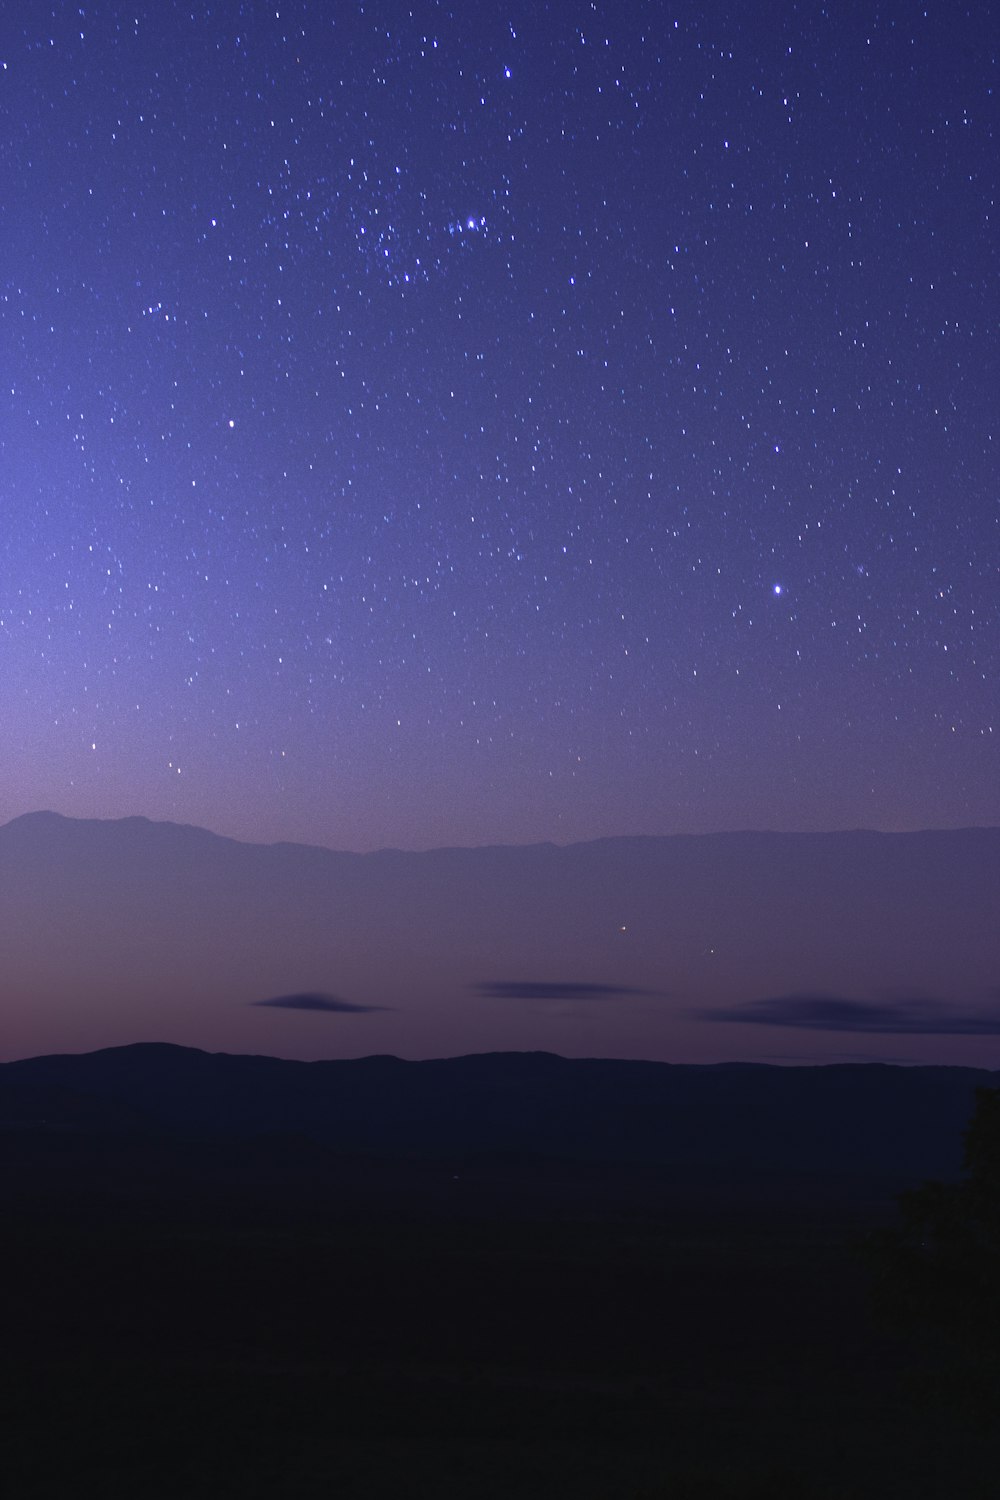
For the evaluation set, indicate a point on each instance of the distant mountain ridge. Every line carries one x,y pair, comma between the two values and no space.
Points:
47,818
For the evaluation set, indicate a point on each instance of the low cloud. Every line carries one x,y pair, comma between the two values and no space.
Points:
918,1017
331,1003
537,989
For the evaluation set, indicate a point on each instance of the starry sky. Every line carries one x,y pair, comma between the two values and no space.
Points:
436,423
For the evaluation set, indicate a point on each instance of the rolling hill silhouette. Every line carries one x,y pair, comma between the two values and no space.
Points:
867,1121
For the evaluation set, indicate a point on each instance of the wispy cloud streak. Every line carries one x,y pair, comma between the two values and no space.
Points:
532,989
917,1017
331,1003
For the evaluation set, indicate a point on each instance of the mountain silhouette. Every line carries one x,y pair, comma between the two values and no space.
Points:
903,1123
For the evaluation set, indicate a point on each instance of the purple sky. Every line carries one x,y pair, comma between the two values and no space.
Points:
428,424
768,947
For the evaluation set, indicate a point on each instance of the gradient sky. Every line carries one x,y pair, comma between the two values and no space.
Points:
432,423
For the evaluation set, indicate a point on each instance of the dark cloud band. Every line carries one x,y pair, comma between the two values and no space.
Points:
531,989
331,1003
925,1017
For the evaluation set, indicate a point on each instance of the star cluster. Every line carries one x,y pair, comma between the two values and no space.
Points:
433,423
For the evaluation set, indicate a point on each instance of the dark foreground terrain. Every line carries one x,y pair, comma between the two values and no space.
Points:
196,1310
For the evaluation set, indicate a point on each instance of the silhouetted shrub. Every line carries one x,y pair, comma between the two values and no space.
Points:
938,1273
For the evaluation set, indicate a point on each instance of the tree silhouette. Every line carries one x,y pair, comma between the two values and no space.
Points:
938,1272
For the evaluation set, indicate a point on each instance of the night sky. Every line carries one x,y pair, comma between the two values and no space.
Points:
445,423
